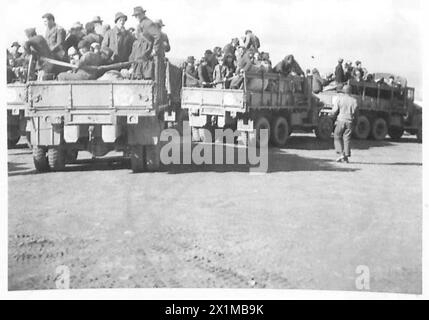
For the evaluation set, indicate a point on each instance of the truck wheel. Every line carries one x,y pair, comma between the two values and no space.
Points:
262,124
362,128
40,160
280,132
195,135
379,129
419,132
12,142
137,159
396,133
206,135
152,159
324,129
56,159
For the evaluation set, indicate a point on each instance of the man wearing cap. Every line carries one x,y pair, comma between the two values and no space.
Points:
91,36
345,110
98,25
339,72
119,40
165,42
55,36
86,65
190,76
147,30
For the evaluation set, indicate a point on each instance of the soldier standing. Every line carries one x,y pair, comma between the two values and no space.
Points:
345,109
55,36
119,40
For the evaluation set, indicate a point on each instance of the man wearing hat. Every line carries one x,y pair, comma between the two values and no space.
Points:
345,110
147,49
119,40
190,76
55,36
98,25
165,42
339,72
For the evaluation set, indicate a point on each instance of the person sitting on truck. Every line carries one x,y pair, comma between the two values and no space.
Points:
205,74
74,36
190,73
91,36
318,82
266,62
37,46
289,66
86,65
348,74
251,41
223,72
244,64
231,47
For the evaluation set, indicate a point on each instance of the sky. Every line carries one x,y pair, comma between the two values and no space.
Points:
383,34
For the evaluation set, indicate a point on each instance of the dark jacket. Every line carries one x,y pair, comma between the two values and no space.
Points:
244,63
55,38
285,68
147,30
339,74
229,49
120,42
205,74
93,37
165,45
38,46
318,83
143,66
191,76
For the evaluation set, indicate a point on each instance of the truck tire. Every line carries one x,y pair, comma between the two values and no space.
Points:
379,129
396,133
206,135
280,132
261,124
152,159
12,142
362,129
419,132
40,159
195,134
56,159
137,159
324,129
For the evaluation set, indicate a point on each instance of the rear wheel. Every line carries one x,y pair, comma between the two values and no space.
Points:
40,159
396,133
137,158
262,124
56,159
280,132
379,129
362,128
324,129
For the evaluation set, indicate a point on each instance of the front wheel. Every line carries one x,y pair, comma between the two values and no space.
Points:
362,128
280,132
379,129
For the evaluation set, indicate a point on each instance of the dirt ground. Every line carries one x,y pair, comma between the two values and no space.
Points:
306,224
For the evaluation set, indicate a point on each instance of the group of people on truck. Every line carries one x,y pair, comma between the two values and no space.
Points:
224,68
77,54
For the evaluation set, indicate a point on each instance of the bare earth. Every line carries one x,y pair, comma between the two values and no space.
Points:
307,224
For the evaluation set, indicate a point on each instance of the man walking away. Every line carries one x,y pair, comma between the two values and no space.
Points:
345,109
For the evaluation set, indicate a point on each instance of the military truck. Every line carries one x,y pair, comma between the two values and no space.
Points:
16,120
268,101
99,116
383,110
